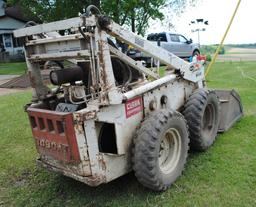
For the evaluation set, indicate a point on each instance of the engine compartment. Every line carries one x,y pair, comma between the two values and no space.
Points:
72,86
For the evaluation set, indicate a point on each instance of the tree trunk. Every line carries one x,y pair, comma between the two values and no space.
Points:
133,22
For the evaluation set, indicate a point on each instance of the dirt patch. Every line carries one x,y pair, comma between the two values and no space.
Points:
6,78
6,91
18,82
237,57
23,80
242,50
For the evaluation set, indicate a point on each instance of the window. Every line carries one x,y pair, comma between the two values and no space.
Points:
7,40
2,48
16,42
174,38
183,39
1,39
157,36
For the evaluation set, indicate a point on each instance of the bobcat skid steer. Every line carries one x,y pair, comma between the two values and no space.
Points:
105,114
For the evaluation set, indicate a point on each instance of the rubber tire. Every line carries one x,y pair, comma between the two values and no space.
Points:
196,52
146,149
194,112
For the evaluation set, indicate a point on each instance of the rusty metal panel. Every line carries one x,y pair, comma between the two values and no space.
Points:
109,92
116,165
98,170
40,91
56,39
89,180
54,134
116,114
59,55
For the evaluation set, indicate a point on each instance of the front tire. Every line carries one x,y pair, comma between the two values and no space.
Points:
161,149
196,53
202,112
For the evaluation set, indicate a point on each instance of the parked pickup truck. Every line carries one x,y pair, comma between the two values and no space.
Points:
174,43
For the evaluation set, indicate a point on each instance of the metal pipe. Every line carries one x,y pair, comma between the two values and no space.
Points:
147,87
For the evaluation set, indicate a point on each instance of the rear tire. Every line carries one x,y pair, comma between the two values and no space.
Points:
160,149
202,112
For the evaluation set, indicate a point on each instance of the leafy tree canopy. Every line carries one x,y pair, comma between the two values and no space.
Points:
133,13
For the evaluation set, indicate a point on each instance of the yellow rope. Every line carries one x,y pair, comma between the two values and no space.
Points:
222,41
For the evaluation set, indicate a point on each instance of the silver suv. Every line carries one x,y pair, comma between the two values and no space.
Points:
174,43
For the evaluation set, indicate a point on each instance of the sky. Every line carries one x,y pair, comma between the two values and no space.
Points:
218,13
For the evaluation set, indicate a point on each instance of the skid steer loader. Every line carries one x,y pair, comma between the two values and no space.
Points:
107,114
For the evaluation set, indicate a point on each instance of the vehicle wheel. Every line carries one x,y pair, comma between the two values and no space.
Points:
202,114
160,149
196,53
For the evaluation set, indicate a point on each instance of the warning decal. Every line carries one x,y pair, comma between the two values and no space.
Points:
133,106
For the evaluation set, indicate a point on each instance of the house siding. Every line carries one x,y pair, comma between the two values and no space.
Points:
11,50
10,24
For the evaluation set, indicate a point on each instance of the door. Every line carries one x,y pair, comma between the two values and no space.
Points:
185,48
173,44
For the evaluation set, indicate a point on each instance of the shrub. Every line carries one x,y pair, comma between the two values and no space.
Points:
208,58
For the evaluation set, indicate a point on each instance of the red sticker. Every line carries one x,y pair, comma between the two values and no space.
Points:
133,106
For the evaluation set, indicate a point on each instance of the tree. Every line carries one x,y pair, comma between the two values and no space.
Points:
132,13
53,10
174,9
137,13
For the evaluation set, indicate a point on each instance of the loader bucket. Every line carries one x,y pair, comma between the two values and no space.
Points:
231,109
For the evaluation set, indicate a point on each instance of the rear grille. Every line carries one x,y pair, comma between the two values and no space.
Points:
54,134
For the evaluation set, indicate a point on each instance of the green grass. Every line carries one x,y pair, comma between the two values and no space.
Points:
13,68
225,175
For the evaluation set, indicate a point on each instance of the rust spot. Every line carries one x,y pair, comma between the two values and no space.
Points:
79,127
103,79
95,180
78,123
89,115
102,162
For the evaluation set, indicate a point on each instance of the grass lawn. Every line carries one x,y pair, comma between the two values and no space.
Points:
13,68
225,175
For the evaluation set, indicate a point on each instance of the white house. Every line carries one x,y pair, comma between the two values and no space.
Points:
11,18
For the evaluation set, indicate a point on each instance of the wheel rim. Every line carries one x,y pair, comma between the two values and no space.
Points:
208,120
170,151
